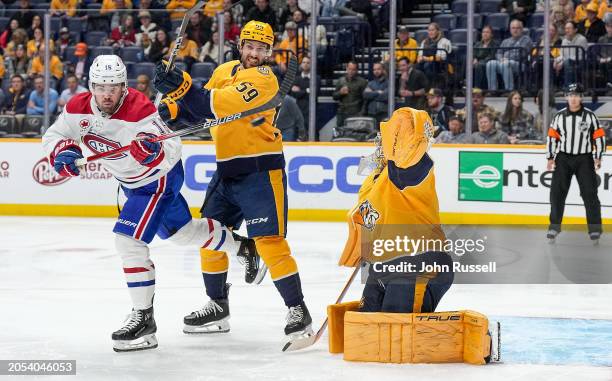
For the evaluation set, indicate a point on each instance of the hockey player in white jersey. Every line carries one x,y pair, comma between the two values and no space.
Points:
110,116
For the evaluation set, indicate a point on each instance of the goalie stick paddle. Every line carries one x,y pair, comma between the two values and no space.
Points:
271,104
179,40
301,343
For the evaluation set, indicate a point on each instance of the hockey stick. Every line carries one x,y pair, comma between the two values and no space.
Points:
305,342
271,104
179,41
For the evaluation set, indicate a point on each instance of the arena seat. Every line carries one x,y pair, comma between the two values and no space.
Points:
489,6
202,69
446,21
459,6
462,21
95,38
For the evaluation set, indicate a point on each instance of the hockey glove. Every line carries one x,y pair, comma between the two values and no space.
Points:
174,84
63,158
145,152
168,111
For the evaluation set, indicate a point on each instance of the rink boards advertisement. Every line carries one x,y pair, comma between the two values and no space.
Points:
503,184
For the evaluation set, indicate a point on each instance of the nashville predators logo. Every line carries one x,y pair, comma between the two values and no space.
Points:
369,215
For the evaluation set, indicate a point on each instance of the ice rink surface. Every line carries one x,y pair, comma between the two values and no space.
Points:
62,293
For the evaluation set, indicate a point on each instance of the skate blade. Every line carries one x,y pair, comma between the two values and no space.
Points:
300,340
221,326
140,344
261,274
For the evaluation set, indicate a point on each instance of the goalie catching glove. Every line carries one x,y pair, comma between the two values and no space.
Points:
146,152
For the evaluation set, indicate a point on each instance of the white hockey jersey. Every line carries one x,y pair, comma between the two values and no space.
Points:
83,122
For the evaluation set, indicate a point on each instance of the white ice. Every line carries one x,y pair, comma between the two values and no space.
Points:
62,293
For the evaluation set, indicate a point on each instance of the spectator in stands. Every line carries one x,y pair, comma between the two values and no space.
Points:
291,121
516,121
36,103
572,56
232,30
604,54
212,7
412,84
439,112
159,15
304,28
262,12
434,51
404,41
580,12
7,34
376,94
237,11
63,42
159,48
560,18
146,27
177,8
518,9
566,6
38,42
592,27
478,107
487,133
17,98
143,84
187,53
287,13
80,63
455,134
123,35
18,37
72,88
349,94
37,66
509,59
110,8
551,110
64,8
199,28
301,89
36,24
210,50
291,43
2,73
24,15
19,63
537,54
484,51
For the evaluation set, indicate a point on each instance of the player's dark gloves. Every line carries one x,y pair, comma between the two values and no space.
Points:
63,158
174,84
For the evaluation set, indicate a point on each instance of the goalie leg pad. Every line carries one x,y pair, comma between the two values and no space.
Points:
437,337
138,269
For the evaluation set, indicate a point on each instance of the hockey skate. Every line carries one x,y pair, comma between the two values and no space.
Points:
212,318
552,235
299,322
254,268
594,236
495,336
137,334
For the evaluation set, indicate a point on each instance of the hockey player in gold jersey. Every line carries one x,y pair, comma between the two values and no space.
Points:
250,184
399,199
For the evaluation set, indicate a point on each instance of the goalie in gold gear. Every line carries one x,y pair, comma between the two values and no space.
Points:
399,199
250,184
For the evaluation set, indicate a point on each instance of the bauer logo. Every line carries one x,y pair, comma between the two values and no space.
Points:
480,176
44,174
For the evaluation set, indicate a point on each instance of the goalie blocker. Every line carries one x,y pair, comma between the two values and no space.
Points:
437,337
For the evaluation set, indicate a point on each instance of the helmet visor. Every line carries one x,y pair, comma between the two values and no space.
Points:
108,89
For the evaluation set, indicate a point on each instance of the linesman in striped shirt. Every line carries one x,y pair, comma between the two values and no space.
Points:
575,145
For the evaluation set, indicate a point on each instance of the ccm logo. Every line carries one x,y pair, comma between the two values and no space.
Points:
256,221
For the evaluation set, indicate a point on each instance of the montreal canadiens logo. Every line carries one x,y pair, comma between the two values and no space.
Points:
44,174
99,144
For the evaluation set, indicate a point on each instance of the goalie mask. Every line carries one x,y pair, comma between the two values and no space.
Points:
404,139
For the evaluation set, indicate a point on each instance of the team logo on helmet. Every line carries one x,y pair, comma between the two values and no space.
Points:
369,215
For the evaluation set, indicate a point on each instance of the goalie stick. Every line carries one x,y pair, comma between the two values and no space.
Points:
304,342
271,104
179,40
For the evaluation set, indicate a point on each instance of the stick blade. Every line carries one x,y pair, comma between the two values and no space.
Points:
301,343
